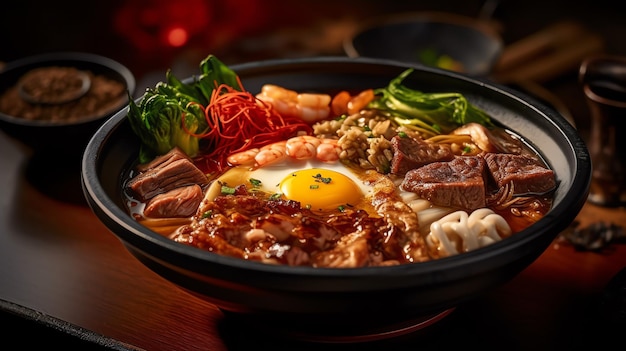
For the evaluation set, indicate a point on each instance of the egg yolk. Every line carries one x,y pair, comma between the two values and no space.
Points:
320,189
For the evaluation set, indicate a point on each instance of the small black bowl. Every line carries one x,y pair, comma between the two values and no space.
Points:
56,146
65,137
444,40
359,303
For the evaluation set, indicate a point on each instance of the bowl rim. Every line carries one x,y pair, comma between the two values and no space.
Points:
100,201
69,57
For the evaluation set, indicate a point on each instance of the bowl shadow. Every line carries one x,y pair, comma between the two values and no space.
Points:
56,176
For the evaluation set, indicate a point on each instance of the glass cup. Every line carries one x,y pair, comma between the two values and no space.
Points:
603,80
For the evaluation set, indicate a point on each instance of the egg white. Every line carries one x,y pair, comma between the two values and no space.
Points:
270,176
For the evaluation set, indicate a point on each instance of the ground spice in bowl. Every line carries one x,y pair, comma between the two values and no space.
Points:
59,94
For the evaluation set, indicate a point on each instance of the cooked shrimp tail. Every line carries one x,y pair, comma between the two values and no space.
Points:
243,158
302,147
306,106
328,150
271,153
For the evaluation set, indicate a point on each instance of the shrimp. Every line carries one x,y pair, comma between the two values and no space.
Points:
358,102
487,141
339,103
302,147
313,107
306,106
344,103
283,100
271,153
243,158
328,151
260,157
306,147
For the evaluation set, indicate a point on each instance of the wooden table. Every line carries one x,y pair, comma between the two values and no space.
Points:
60,268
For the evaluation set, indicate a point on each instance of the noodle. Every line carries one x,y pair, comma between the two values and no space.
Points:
459,232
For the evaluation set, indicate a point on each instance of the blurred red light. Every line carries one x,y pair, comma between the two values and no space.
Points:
153,25
177,36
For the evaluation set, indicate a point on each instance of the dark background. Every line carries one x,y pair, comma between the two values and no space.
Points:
132,31
241,30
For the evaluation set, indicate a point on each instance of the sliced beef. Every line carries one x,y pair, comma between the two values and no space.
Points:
179,202
161,161
458,183
171,173
410,153
525,173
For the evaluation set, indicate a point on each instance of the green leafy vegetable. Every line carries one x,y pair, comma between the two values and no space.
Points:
214,71
227,190
172,113
433,113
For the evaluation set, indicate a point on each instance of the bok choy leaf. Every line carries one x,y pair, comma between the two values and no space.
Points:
172,114
434,113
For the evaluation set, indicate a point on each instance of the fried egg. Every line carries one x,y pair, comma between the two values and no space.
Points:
317,185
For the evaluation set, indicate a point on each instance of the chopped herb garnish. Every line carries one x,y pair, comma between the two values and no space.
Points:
207,214
255,182
402,134
341,208
227,190
314,186
318,178
275,196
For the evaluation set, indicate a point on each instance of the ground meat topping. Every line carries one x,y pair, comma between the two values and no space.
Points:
281,232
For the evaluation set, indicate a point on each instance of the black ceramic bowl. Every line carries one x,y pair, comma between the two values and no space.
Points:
56,146
62,136
432,38
346,302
